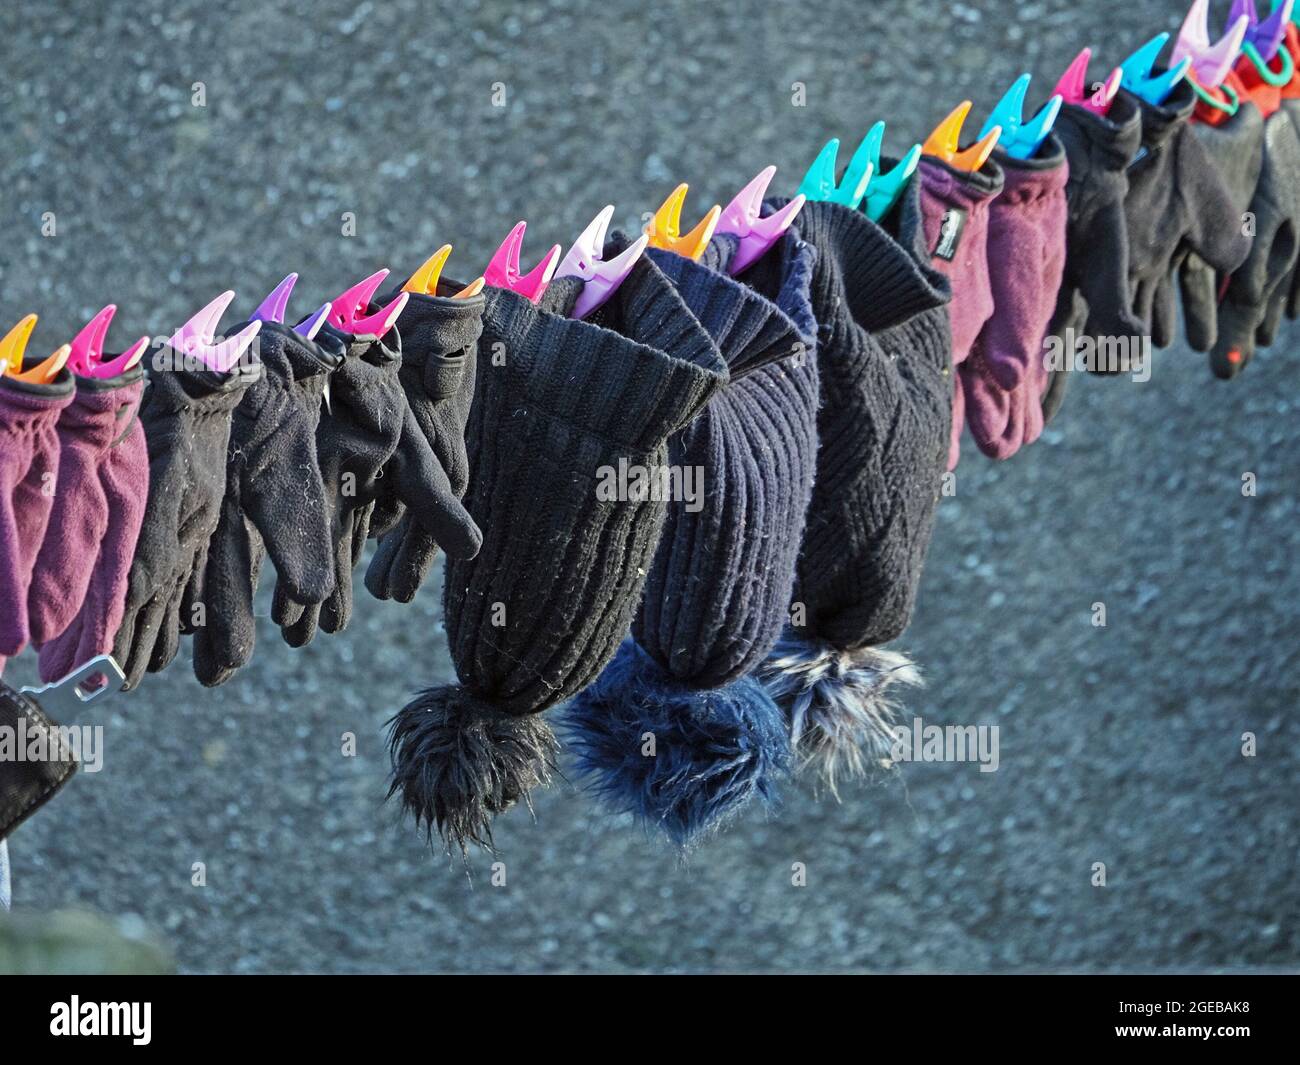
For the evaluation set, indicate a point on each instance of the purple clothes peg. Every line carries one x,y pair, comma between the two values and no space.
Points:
1211,63
1266,35
348,310
503,271
197,338
743,218
273,307
600,279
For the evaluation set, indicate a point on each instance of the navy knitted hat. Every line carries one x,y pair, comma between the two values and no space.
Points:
716,595
558,403
884,350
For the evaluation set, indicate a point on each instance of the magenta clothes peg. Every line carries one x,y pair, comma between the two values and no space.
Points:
503,270
1211,63
600,279
273,307
1265,35
1021,139
87,349
743,218
347,311
197,337
1137,76
1073,87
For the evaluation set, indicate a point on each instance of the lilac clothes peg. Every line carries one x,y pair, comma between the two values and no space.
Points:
600,278
273,307
504,272
197,338
1264,35
743,218
1211,62
348,311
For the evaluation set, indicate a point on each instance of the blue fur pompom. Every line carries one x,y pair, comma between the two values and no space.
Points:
679,757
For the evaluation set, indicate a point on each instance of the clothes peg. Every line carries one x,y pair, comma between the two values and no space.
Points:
944,141
13,347
424,282
819,183
503,271
600,279
1265,35
348,310
883,189
1137,69
197,337
1073,87
273,307
87,349
1211,63
742,218
1021,139
664,229
1295,16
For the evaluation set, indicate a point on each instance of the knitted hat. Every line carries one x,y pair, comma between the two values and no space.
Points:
29,463
955,210
78,589
1005,377
884,428
715,600
1094,284
560,406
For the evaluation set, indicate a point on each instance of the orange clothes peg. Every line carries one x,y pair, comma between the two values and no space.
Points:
424,282
944,143
14,345
665,228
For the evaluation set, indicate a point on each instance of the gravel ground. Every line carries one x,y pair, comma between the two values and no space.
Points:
1119,745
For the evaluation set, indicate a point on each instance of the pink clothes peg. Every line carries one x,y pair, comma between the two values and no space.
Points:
1074,88
1211,63
197,337
348,310
1265,35
601,279
273,307
503,270
87,349
742,218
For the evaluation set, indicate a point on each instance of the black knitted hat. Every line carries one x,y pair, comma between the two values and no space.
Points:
558,404
715,600
884,351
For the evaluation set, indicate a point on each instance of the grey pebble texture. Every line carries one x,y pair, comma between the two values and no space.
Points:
1120,745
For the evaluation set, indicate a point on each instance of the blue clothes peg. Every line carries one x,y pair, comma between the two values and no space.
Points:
884,189
1136,72
1021,139
820,184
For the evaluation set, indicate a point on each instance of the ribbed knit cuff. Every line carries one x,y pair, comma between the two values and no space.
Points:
626,389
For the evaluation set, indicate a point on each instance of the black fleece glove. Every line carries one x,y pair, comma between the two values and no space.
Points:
1177,202
186,416
440,337
1256,296
1236,148
274,502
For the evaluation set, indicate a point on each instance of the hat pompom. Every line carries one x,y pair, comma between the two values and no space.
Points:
839,704
674,756
458,761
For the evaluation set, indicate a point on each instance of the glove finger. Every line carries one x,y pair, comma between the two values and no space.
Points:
302,631
1199,286
401,562
1236,343
167,642
225,641
1163,326
136,640
336,610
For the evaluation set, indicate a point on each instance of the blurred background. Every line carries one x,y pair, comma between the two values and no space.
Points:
1119,745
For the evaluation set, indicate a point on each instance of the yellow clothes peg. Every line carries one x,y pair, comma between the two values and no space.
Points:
944,143
424,282
14,345
664,229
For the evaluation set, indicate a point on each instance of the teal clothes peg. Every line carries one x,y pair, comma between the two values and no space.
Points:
820,184
1136,72
884,189
1021,139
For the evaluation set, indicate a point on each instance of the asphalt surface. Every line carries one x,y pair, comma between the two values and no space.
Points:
1120,745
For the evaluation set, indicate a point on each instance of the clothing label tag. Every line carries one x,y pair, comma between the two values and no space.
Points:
950,231
1142,156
